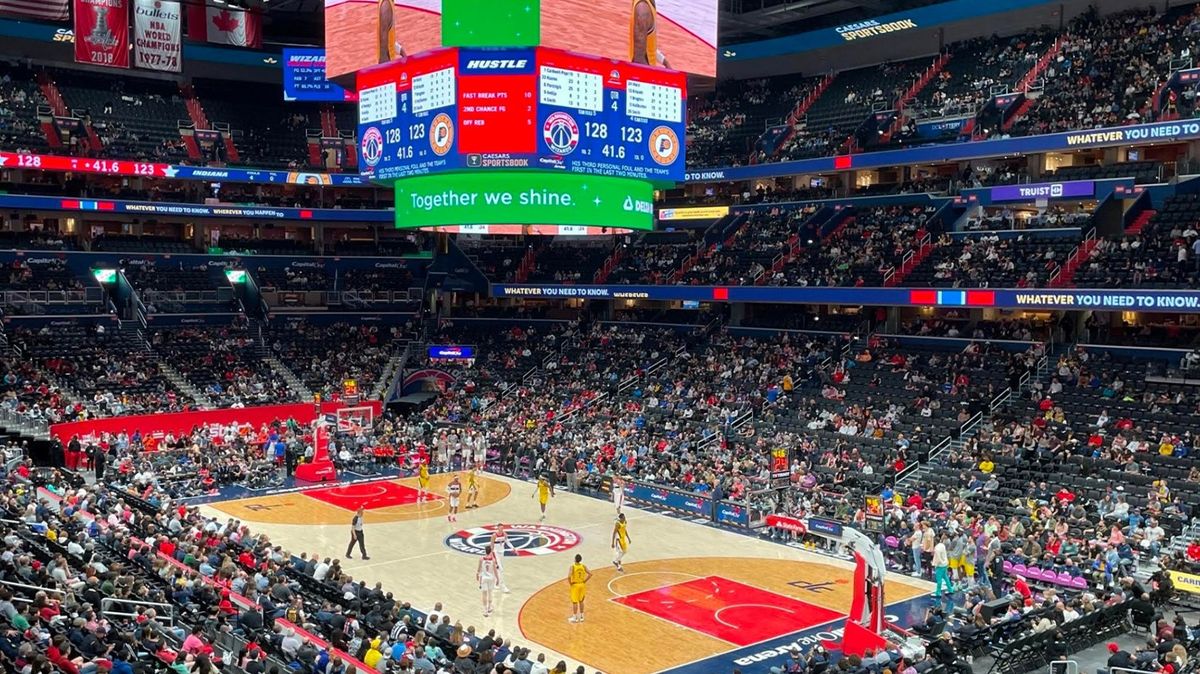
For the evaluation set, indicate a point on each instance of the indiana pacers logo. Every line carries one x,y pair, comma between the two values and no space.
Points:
524,540
372,147
664,145
561,133
441,134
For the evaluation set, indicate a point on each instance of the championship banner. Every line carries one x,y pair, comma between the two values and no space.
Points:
221,25
102,33
157,26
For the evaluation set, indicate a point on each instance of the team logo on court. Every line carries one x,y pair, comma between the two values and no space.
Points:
372,146
561,133
441,134
664,145
524,540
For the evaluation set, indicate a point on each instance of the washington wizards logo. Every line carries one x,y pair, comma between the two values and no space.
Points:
524,540
372,146
561,133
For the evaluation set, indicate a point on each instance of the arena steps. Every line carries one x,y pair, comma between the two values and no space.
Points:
1135,228
182,384
299,389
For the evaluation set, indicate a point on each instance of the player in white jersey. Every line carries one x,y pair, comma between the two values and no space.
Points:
618,492
453,491
486,574
500,546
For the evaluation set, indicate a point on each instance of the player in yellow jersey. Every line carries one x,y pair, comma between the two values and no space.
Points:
643,35
544,492
577,578
390,47
423,480
472,490
620,542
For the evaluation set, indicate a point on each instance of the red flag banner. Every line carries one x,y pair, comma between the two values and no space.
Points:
221,25
156,35
102,33
47,10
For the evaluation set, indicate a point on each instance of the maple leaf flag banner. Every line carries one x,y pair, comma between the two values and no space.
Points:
102,33
47,10
221,25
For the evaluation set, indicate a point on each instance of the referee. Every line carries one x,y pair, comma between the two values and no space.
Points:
356,534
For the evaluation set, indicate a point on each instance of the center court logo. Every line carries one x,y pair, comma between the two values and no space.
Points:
561,133
524,540
372,147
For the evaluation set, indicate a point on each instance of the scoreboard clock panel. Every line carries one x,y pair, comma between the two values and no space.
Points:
536,108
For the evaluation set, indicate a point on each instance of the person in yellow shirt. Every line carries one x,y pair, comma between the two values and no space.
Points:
374,654
620,541
578,578
986,466
544,492
423,480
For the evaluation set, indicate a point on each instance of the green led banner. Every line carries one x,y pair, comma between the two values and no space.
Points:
491,23
523,198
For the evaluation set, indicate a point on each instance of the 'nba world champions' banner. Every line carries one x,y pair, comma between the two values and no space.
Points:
102,33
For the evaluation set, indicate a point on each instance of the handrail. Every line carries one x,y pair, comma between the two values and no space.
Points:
970,424
908,470
166,616
36,588
938,449
1001,399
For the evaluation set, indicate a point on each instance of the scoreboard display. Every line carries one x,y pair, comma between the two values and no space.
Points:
535,108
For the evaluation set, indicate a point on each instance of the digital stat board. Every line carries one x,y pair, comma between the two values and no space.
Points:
478,109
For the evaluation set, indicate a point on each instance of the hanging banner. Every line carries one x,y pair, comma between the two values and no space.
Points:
221,25
102,33
156,35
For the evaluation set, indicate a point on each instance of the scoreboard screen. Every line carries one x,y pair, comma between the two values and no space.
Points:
536,108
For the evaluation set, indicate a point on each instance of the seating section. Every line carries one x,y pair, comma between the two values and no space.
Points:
1150,258
266,130
108,374
569,262
324,357
986,260
131,243
135,118
1105,75
223,363
975,68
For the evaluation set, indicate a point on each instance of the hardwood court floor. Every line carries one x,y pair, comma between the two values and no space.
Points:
385,501
689,591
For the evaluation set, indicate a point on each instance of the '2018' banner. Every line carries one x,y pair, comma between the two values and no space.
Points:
157,28
102,33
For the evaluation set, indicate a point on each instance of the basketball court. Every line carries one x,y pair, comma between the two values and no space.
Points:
693,598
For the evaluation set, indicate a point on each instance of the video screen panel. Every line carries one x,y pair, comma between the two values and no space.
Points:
676,34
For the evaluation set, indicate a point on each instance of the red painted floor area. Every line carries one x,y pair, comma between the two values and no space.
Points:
728,610
370,495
